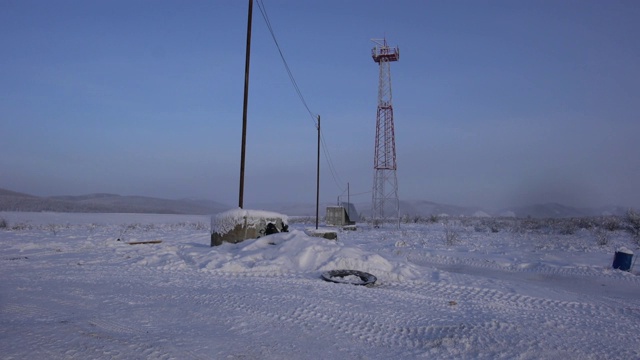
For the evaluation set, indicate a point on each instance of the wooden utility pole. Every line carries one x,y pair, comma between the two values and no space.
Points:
318,176
244,107
348,199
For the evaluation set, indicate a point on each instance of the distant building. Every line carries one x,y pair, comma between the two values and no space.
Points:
352,212
337,216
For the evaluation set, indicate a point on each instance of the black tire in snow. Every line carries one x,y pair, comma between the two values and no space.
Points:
346,277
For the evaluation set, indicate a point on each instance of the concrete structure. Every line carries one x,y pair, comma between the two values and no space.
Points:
235,226
337,216
329,234
351,210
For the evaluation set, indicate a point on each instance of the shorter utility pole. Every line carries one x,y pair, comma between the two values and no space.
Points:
348,199
318,176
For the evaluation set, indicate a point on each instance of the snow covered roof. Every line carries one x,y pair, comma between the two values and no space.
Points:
226,221
624,250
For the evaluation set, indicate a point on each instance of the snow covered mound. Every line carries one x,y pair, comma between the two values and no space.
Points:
297,252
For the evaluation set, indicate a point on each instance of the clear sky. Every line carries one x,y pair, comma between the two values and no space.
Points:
497,103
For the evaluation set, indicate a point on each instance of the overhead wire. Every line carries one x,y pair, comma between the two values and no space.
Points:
263,11
332,170
314,117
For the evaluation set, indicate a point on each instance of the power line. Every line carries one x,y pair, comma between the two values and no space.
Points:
263,11
361,193
332,169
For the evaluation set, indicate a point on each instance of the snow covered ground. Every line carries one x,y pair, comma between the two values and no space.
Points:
69,289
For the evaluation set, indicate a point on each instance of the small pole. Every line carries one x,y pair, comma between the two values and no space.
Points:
244,106
318,175
348,199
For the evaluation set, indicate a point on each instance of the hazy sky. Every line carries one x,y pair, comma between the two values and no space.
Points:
497,103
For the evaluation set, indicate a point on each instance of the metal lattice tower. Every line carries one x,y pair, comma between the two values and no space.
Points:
385,205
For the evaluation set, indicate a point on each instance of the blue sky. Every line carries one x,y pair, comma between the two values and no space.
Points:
497,103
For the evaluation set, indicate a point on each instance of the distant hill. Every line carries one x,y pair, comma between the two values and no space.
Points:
9,193
547,210
425,209
293,209
111,203
554,210
106,203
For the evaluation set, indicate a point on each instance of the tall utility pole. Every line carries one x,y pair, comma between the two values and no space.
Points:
385,181
244,107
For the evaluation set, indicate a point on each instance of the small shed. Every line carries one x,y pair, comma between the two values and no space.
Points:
234,226
337,216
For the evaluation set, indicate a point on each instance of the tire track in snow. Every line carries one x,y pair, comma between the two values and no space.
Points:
493,297
507,309
582,271
415,331
28,311
108,331
96,338
395,320
585,319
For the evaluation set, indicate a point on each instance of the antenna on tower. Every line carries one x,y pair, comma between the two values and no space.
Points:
385,206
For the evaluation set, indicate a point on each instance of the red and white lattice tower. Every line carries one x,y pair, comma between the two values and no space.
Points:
385,205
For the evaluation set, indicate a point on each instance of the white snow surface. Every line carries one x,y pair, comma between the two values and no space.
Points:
69,289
